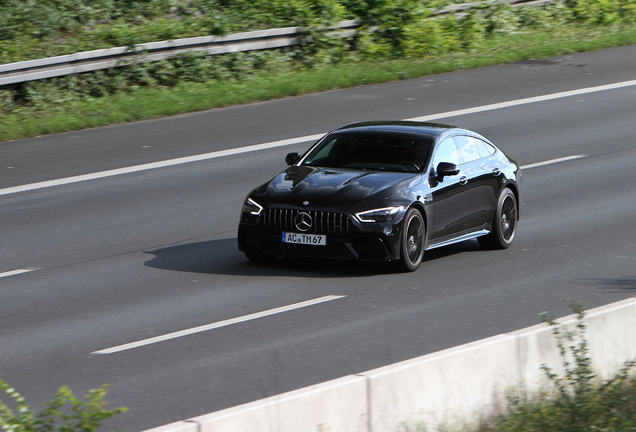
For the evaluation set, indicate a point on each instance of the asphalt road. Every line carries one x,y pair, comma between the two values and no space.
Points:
128,257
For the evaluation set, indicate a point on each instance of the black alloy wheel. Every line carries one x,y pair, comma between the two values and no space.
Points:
412,245
504,225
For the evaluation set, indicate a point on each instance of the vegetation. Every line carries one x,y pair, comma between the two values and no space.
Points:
398,39
579,400
64,413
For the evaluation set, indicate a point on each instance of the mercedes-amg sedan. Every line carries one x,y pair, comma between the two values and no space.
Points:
385,191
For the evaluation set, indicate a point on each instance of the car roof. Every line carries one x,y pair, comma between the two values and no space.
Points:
432,130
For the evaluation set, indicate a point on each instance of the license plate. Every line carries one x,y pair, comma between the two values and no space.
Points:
308,239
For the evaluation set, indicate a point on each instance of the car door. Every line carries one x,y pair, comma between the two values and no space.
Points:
481,176
451,196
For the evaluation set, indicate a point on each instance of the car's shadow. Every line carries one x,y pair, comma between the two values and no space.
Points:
222,257
611,284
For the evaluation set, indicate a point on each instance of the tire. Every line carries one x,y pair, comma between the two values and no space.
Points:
261,258
504,224
412,241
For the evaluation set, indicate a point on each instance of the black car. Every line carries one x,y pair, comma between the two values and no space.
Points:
385,191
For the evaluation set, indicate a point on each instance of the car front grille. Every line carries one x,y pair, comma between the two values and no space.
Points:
322,222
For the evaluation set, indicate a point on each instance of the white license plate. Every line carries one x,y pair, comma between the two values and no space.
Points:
308,239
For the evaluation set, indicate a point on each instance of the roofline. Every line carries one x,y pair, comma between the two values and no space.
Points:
405,123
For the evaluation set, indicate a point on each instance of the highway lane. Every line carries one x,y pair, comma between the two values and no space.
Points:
124,145
145,254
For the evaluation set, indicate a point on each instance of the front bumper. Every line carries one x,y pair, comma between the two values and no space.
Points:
363,242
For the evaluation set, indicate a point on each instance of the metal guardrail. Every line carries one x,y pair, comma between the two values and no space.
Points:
88,61
458,8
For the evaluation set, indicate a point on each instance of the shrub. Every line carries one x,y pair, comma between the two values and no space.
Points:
502,19
534,18
432,37
64,413
391,29
390,21
579,401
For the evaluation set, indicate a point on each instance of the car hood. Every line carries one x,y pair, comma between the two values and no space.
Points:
325,186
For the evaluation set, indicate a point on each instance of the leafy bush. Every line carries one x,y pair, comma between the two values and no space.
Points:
433,37
535,18
391,30
502,19
580,401
390,21
597,11
64,413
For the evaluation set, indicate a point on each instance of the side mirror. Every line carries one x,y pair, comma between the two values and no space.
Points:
445,169
292,158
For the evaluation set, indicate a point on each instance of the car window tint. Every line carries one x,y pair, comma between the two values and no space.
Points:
446,152
373,151
323,153
484,148
467,147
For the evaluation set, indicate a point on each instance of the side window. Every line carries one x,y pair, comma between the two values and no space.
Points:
446,152
467,147
484,148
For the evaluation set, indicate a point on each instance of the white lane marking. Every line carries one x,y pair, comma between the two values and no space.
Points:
273,144
551,161
217,325
17,272
525,101
160,164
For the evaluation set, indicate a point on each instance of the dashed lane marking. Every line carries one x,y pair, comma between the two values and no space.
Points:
216,325
551,161
17,272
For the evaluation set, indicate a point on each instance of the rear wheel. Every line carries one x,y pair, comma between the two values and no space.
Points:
504,225
412,244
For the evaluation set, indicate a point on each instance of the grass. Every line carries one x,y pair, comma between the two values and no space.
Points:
153,102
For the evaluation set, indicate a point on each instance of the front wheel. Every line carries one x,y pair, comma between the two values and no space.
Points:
504,224
412,241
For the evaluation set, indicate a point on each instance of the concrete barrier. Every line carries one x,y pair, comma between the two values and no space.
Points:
181,426
610,334
338,405
445,387
441,387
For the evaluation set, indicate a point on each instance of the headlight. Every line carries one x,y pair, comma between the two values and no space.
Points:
386,214
252,207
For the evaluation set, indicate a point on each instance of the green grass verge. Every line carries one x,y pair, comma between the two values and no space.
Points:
147,103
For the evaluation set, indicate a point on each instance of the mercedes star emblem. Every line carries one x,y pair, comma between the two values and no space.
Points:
303,221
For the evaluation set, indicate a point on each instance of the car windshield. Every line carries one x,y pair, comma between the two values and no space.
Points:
385,152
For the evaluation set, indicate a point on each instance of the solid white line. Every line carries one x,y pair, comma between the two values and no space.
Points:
551,161
160,164
525,101
217,325
17,272
273,144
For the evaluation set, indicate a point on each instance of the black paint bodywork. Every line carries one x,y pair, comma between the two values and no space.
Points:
455,207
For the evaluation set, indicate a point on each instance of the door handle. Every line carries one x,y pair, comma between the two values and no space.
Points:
463,180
